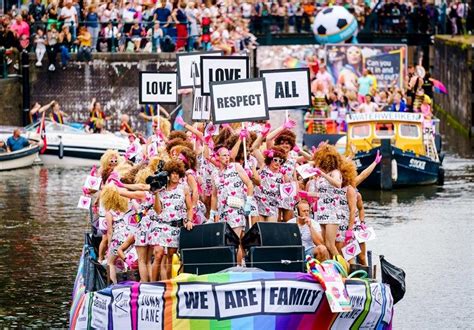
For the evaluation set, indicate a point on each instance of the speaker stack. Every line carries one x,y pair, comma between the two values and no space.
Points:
208,248
274,247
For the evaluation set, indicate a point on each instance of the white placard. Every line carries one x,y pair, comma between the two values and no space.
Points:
84,203
236,101
351,250
366,235
92,182
158,87
287,88
188,63
223,68
306,171
201,106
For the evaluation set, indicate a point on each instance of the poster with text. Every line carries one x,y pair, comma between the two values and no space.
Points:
237,101
201,106
287,88
158,88
387,62
222,68
189,64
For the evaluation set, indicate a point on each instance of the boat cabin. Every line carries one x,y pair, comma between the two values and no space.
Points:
405,130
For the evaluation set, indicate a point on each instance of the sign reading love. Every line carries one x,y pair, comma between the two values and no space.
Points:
366,235
92,182
351,250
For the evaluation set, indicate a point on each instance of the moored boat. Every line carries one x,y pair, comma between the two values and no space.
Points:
406,142
18,159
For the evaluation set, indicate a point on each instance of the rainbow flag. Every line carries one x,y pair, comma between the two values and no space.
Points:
439,87
233,300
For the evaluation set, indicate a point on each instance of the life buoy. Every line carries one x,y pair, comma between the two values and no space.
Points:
394,170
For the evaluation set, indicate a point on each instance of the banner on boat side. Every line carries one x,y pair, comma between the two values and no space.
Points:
189,67
237,101
263,300
158,88
385,116
287,88
222,68
201,106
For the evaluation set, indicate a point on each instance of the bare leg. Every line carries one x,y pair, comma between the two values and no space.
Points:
142,252
240,252
125,245
330,238
112,271
362,254
158,252
287,215
169,259
148,265
103,247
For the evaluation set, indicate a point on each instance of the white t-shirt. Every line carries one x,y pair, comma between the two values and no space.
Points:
72,12
305,232
368,108
246,10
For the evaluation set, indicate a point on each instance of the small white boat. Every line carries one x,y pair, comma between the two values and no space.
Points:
69,146
18,159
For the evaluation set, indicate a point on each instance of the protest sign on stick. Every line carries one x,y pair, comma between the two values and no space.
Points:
158,88
189,64
223,68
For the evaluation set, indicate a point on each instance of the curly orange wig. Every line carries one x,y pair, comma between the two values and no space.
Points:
349,172
177,142
327,158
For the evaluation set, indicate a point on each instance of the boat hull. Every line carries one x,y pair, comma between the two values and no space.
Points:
18,159
407,169
72,155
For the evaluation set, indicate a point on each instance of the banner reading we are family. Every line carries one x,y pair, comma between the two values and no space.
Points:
387,62
263,300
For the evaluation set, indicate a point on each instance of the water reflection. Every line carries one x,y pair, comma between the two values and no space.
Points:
425,230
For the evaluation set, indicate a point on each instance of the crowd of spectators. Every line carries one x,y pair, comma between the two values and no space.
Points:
55,27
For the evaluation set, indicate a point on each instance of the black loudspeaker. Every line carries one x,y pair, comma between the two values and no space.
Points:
208,260
208,235
272,234
277,258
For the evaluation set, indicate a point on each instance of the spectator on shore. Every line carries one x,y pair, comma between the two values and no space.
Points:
156,35
40,46
52,39
65,46
37,15
22,31
92,24
69,15
84,40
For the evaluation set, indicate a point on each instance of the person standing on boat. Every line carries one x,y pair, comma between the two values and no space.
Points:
232,195
36,111
16,141
125,128
175,211
327,161
368,106
398,104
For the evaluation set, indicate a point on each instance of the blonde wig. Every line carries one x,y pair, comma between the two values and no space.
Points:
111,199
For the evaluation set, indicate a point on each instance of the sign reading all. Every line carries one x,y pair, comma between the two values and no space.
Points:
287,88
236,101
189,67
157,87
223,68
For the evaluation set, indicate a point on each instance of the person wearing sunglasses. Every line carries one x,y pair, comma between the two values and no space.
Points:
267,193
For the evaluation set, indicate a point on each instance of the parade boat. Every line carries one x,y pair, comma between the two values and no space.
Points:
406,142
230,299
70,146
19,159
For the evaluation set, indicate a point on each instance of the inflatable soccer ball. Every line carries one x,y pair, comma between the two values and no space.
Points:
333,25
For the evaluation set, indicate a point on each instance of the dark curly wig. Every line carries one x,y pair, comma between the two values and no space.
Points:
175,166
178,135
190,156
286,135
278,152
177,142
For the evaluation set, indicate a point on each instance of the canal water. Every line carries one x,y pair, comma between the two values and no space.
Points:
426,231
